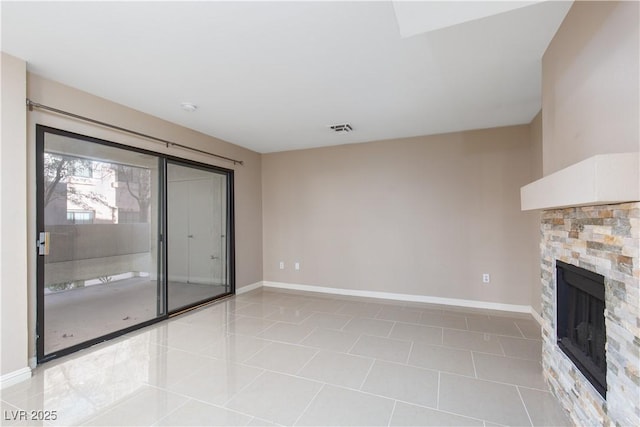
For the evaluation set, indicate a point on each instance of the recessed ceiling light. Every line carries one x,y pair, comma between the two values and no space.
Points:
188,106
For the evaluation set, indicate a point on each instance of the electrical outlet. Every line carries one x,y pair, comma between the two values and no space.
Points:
297,266
281,265
486,278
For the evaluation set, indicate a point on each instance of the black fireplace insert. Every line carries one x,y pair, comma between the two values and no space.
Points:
580,321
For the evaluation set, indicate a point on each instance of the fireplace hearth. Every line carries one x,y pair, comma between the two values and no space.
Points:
581,329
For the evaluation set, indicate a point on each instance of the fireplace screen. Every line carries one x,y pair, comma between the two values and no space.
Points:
580,322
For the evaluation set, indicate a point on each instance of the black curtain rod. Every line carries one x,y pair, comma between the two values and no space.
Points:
33,105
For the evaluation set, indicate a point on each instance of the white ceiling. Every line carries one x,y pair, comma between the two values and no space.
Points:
271,76
415,17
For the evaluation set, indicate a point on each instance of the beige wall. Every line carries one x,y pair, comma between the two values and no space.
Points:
536,173
590,84
422,216
536,146
248,195
13,218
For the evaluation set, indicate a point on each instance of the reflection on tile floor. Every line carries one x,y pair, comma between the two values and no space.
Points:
272,357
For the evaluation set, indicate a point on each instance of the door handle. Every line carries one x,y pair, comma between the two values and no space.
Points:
214,257
190,236
43,243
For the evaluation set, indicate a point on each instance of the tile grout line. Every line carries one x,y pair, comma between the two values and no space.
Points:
306,408
409,354
345,325
395,323
251,354
504,353
393,410
438,392
420,405
112,407
215,405
366,377
369,393
171,412
244,362
473,362
519,330
226,402
313,329
307,362
345,387
524,405
262,331
354,344
481,379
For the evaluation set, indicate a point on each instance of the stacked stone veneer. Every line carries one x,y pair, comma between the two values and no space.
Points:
606,240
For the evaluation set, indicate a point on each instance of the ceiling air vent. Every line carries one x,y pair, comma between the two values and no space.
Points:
345,127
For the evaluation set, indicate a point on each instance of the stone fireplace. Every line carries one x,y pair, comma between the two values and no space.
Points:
604,240
591,220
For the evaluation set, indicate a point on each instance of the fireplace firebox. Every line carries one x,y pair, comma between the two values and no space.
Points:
581,330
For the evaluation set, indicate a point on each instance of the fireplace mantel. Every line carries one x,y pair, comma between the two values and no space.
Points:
598,180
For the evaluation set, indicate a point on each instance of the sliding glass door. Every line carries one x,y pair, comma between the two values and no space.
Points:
103,263
196,235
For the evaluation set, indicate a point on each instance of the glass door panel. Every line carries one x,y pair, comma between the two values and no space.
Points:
197,248
98,269
125,237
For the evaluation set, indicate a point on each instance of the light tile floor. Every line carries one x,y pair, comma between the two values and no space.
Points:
271,357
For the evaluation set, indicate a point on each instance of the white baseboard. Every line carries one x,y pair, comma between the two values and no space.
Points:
404,297
536,316
248,288
14,377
